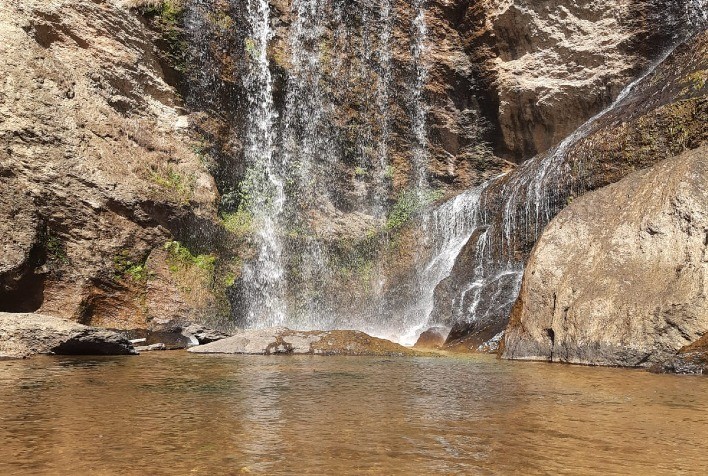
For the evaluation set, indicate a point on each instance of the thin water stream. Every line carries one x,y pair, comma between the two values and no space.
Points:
175,413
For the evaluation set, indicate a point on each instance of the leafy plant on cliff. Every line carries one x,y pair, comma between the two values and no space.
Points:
251,48
180,257
409,204
240,222
167,17
56,250
169,178
125,267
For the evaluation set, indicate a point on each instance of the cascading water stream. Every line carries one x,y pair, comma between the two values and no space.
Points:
449,227
420,110
263,277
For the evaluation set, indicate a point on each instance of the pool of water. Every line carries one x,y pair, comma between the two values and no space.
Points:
178,413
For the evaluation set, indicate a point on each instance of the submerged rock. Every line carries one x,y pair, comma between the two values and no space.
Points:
280,340
22,335
619,277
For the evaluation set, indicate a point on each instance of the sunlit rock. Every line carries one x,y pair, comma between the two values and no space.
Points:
281,340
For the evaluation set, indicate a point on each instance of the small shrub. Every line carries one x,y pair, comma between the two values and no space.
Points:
360,172
56,250
240,222
169,178
180,256
125,267
409,204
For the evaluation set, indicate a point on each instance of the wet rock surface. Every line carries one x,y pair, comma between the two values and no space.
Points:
23,335
175,336
618,277
281,340
433,338
691,359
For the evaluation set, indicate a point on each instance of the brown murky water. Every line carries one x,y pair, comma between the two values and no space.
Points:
176,413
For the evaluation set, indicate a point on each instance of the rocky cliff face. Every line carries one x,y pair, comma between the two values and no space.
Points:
97,171
620,276
544,67
657,118
133,132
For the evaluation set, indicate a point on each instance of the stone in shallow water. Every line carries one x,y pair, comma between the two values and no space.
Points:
151,347
281,340
22,335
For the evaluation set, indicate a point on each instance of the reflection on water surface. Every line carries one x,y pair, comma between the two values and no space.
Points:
177,413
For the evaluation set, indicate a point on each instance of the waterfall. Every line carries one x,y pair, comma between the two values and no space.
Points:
419,119
329,161
448,227
383,97
263,190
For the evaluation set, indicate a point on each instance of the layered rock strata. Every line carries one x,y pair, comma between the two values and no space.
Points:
98,171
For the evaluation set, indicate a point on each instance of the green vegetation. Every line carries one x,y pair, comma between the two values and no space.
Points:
180,257
698,80
251,48
167,17
170,179
221,20
240,222
409,204
360,172
229,279
56,250
125,267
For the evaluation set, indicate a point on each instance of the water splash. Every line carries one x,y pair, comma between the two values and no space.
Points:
533,194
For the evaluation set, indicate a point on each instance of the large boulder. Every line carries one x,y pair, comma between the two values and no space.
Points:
620,277
280,340
22,335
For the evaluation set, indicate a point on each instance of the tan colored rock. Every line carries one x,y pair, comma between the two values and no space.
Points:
96,165
280,340
433,338
620,277
546,66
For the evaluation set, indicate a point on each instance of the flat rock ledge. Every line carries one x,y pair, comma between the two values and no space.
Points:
24,335
281,340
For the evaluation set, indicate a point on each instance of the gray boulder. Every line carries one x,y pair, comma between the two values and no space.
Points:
23,335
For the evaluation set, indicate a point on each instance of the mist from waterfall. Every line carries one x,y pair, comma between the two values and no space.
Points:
323,114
